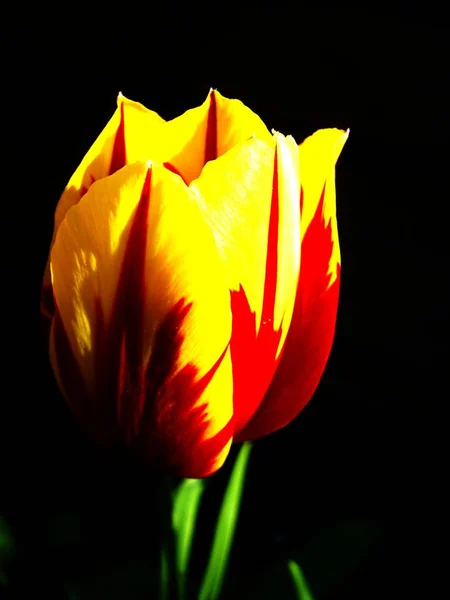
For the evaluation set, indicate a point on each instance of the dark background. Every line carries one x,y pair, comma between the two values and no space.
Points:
353,488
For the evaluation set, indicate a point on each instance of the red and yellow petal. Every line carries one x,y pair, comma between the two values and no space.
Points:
125,139
122,141
140,337
249,196
207,132
310,337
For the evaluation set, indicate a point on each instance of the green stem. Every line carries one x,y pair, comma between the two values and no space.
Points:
298,579
168,573
226,524
186,502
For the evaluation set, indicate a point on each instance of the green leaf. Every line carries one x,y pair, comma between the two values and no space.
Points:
133,577
225,528
301,587
164,573
3,578
262,582
64,531
337,552
7,545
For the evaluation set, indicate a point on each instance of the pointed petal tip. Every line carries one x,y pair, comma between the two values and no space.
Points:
345,135
213,91
122,99
277,136
280,138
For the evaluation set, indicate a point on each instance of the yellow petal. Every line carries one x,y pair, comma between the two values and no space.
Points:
141,294
236,123
318,157
124,140
207,132
250,197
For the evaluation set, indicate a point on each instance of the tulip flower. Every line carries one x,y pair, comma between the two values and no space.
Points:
192,282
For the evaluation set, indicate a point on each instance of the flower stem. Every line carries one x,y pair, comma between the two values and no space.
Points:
168,573
186,502
226,524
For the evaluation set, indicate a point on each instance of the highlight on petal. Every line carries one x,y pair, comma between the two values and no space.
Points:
310,336
249,196
143,321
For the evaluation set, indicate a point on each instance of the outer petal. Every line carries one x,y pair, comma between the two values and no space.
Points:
140,338
123,141
310,337
250,198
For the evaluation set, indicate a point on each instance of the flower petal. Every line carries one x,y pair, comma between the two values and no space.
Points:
124,140
250,198
143,321
310,337
207,132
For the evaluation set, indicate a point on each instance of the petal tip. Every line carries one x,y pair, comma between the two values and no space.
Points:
344,139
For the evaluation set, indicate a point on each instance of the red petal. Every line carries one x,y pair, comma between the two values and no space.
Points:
253,354
310,337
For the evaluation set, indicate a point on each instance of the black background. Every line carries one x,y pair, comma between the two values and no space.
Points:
359,474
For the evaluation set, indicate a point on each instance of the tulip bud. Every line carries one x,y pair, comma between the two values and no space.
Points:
192,281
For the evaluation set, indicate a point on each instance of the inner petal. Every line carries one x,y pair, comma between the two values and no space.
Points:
205,133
